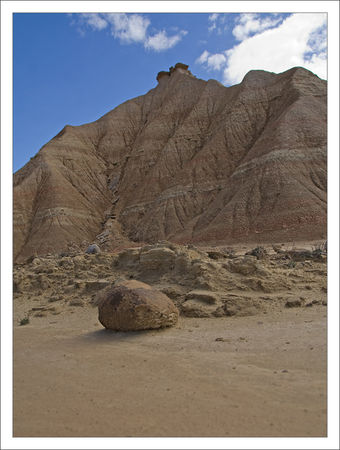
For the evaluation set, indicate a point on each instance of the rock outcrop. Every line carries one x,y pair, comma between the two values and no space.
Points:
199,286
133,306
190,161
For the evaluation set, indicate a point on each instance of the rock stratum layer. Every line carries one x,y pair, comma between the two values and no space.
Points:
190,161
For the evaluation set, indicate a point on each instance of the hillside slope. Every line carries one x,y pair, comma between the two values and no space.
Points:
190,161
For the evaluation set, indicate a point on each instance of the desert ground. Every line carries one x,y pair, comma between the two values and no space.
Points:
250,362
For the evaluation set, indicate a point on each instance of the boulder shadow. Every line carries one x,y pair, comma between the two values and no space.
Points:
105,335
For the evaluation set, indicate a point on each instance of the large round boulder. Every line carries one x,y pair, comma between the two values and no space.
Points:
133,305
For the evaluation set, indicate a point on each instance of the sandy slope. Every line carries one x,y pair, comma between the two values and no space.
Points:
267,377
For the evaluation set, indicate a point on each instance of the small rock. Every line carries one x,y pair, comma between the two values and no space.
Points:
201,295
55,298
293,303
259,252
40,314
216,255
76,302
92,249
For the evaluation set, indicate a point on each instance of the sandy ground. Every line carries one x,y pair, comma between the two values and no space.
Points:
265,376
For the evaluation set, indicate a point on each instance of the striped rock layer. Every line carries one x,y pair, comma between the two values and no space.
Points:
190,161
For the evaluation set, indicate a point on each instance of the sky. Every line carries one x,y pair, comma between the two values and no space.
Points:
73,68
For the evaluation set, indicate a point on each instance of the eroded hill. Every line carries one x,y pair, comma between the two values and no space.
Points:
191,161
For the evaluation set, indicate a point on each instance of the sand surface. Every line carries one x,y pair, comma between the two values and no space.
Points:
265,376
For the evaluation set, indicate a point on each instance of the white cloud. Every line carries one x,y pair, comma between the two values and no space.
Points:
94,21
212,62
203,58
161,41
253,23
217,22
299,40
279,49
213,17
128,28
216,61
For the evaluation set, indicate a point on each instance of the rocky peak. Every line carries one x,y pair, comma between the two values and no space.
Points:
179,68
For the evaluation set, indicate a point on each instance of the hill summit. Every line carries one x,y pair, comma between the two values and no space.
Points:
191,161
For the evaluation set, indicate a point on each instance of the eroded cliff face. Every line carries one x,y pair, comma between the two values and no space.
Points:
190,161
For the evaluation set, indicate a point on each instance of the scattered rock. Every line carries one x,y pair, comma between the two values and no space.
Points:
133,305
95,285
216,255
76,302
157,259
196,308
92,249
246,265
40,314
203,296
55,298
296,303
173,292
258,252
128,258
240,306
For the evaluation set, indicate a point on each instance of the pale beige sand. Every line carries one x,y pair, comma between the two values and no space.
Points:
267,377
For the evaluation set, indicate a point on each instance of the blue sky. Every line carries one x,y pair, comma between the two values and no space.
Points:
73,68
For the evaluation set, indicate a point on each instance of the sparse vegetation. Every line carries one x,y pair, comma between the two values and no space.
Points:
24,321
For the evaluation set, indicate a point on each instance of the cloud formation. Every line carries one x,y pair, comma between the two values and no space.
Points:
129,29
217,21
213,18
212,62
161,41
253,23
274,44
94,21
